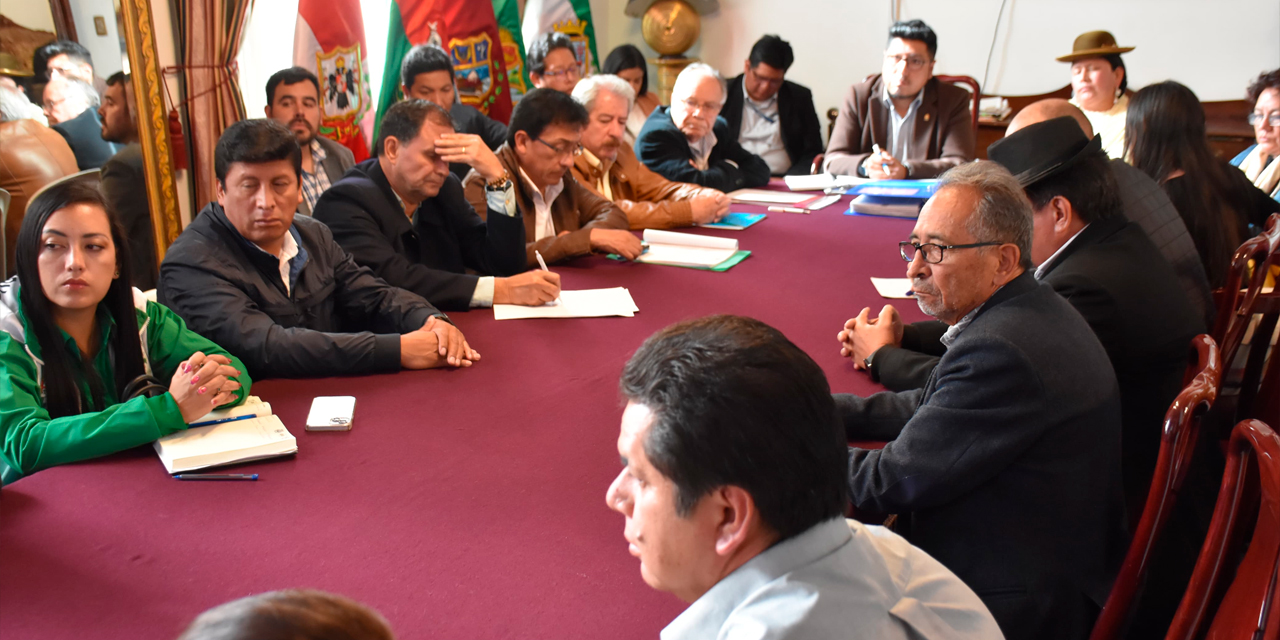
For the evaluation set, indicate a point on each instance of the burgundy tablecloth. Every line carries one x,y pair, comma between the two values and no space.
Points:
463,504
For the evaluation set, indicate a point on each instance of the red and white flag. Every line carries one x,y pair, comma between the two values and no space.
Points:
329,41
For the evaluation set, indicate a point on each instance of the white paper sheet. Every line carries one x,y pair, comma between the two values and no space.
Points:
585,303
686,249
768,197
821,181
893,288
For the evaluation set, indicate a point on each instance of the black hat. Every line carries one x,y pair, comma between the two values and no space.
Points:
1038,151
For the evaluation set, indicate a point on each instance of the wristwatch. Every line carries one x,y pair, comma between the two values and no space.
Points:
869,362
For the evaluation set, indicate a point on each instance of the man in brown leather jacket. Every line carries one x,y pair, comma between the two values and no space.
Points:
609,168
562,219
31,156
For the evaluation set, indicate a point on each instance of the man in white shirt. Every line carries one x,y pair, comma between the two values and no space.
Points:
773,117
733,490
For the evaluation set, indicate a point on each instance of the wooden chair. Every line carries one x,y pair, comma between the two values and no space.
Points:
1246,307
1247,608
974,90
1177,446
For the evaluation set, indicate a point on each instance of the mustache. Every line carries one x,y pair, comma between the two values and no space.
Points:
300,119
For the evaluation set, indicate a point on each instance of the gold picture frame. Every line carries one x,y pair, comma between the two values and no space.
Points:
153,123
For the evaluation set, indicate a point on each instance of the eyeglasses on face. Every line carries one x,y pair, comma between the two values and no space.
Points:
933,252
705,107
570,149
1272,119
570,72
913,62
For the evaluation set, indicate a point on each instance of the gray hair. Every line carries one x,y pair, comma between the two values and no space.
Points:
691,74
77,86
14,105
1004,213
590,87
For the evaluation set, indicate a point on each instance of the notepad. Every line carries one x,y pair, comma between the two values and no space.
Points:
686,249
736,221
886,206
584,303
225,443
821,182
893,288
761,196
252,406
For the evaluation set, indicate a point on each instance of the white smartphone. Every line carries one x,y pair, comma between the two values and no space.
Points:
331,413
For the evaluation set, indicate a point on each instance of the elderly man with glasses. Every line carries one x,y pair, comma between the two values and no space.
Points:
1006,466
902,123
690,142
562,219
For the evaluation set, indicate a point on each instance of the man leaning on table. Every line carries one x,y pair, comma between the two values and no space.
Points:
1006,465
274,288
690,142
921,125
733,491
609,168
402,213
771,116
562,219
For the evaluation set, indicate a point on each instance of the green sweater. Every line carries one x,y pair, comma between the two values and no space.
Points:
31,441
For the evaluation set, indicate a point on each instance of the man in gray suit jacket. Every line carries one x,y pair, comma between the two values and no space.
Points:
293,100
1006,465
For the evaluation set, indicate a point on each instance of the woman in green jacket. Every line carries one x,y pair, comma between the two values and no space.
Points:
75,338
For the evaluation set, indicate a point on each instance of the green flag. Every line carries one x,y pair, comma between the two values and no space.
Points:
508,14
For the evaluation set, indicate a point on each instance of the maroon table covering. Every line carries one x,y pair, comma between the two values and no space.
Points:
463,504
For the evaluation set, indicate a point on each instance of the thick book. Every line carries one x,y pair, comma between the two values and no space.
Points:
225,443
892,207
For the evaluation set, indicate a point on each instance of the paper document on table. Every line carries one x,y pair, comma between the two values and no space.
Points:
225,443
686,249
893,288
584,303
761,196
821,182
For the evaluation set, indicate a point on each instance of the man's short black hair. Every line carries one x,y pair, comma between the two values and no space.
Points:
73,50
773,51
736,403
116,78
536,56
255,141
292,75
404,120
1089,185
424,58
916,30
541,108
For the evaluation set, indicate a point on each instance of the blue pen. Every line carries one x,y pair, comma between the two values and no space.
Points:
213,422
883,166
216,476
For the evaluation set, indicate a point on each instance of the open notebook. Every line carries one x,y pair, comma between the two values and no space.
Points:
686,249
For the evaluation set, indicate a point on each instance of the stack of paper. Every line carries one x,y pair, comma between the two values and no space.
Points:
686,249
886,206
586,303
821,182
225,443
762,196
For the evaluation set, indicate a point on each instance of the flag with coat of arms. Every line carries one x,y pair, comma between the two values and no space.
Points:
468,32
329,41
570,17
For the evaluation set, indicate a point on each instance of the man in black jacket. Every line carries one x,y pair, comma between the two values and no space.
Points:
689,142
404,215
276,290
1006,465
427,74
773,117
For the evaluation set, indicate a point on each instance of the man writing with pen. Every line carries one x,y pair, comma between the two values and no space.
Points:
902,123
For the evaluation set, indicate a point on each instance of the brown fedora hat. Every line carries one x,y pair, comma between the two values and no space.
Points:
1093,44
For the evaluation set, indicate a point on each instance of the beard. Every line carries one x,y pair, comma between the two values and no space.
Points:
304,136
934,306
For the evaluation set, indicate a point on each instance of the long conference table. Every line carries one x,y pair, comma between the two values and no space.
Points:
463,503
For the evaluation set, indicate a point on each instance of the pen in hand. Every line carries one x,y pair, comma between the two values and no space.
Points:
543,264
875,148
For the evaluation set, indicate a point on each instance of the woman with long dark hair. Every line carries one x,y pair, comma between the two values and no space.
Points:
628,63
1166,140
76,339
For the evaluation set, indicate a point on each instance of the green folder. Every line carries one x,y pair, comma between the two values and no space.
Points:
737,257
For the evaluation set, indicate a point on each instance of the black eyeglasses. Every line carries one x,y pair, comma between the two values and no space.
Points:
575,150
933,252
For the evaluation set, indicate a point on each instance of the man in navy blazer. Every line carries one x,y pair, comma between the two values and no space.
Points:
690,142
1006,465
404,215
771,116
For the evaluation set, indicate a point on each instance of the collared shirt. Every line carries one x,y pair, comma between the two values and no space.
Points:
838,579
544,226
1044,266
702,150
1109,124
292,258
761,132
901,128
316,182
602,184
